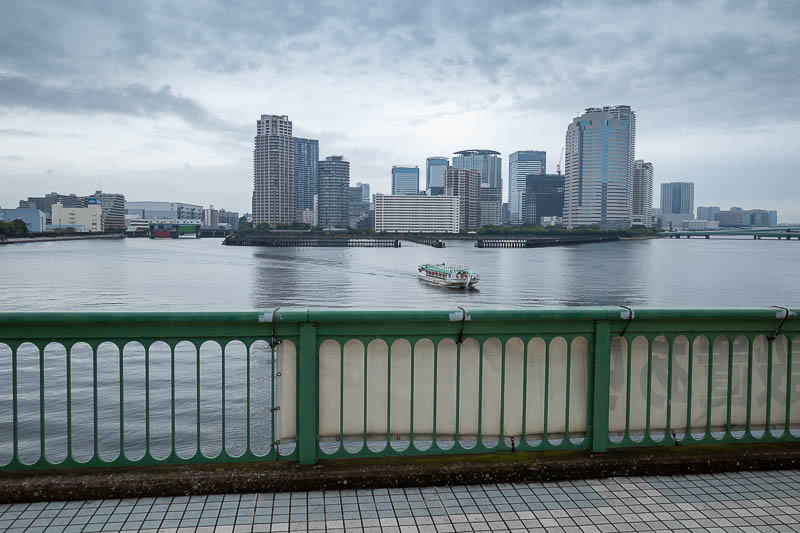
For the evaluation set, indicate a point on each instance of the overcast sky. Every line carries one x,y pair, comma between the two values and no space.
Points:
159,101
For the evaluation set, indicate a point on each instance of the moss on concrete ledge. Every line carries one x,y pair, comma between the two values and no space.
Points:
273,476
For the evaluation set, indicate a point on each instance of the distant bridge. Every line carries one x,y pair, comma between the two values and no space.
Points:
755,234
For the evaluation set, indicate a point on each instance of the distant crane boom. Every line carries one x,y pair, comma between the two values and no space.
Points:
558,166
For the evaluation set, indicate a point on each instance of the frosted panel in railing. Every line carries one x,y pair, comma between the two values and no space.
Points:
699,400
329,388
377,386
794,400
512,416
557,387
468,398
637,403
400,406
446,388
353,390
658,387
423,387
490,405
719,388
738,378
758,393
286,384
578,386
617,387
679,385
55,405
534,410
780,348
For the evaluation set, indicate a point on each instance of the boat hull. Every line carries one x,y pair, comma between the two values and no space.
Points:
449,283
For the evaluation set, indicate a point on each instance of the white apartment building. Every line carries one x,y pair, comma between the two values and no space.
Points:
416,214
82,219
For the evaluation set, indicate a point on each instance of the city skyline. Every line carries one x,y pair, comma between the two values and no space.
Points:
161,111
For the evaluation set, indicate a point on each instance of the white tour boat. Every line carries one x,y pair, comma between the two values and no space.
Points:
454,276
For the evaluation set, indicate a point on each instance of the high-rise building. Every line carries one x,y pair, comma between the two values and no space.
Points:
333,192
490,166
274,200
405,179
707,213
435,170
211,217
520,165
642,193
365,196
416,214
229,219
544,197
677,198
113,208
45,203
359,209
306,156
598,174
466,184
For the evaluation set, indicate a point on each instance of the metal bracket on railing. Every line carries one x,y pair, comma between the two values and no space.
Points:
274,340
273,409
277,445
463,319
786,314
630,315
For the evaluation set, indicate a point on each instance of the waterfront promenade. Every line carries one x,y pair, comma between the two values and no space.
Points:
736,501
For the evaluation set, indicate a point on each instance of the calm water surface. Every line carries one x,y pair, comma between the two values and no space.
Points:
200,274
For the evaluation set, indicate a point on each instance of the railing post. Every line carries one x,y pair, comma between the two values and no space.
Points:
602,370
307,395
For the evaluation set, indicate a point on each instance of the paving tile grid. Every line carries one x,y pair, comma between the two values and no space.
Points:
737,501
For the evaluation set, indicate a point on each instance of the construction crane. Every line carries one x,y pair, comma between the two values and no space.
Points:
558,166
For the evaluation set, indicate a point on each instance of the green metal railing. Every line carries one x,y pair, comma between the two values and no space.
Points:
121,389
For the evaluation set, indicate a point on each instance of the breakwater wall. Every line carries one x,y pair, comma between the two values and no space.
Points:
310,241
541,242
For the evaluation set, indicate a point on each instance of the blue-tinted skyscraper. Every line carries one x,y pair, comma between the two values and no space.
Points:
520,165
306,156
405,180
435,170
598,160
490,165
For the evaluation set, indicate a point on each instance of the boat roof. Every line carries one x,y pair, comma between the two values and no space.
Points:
445,269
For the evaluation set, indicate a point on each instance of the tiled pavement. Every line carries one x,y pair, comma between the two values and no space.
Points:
742,501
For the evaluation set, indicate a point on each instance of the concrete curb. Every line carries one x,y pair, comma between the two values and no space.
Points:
97,483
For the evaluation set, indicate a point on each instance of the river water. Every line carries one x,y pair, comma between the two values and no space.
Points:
200,274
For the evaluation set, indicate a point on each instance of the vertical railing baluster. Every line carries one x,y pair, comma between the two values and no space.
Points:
341,395
434,444
247,403
223,451
729,398
787,423
546,414
388,396
172,347
94,400
147,452
502,437
121,403
567,398
688,435
709,391
14,406
42,456
748,428
670,351
308,395
628,371
69,402
649,402
523,438
480,393
199,452
366,405
457,436
768,414
273,352
411,445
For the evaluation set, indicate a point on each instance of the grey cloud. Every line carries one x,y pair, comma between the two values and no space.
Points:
12,158
21,93
20,133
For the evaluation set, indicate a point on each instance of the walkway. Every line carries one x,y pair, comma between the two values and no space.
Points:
741,501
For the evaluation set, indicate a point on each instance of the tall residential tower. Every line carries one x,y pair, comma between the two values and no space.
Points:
598,177
274,200
490,166
334,193
642,193
306,156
